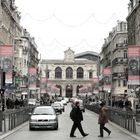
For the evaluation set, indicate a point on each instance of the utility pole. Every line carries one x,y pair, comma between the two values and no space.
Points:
2,89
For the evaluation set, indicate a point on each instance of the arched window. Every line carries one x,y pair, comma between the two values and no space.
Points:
58,72
69,73
80,72
90,74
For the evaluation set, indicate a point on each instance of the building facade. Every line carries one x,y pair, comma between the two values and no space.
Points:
114,57
24,52
69,75
133,21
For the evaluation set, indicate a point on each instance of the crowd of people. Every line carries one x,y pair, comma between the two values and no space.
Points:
15,104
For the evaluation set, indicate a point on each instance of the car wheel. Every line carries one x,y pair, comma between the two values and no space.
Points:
30,128
56,128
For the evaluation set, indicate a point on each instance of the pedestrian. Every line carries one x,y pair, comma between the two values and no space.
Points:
103,119
77,116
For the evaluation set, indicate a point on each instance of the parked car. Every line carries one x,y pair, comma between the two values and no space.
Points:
43,117
57,107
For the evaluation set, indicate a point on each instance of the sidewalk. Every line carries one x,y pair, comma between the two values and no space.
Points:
138,128
135,136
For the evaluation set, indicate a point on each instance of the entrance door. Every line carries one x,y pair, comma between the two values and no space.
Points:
69,91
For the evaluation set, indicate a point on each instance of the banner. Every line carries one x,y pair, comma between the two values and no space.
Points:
8,78
43,84
107,79
96,85
6,61
133,65
6,50
32,78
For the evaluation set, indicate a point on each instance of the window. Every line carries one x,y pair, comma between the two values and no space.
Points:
119,83
124,83
58,72
125,53
69,73
90,74
80,72
48,73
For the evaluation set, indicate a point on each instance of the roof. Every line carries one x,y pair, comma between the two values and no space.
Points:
77,61
87,52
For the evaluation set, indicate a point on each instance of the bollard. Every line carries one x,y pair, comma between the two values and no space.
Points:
1,121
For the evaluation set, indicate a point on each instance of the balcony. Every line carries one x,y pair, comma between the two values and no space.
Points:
120,75
120,45
119,60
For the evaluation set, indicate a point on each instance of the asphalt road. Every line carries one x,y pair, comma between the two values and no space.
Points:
89,124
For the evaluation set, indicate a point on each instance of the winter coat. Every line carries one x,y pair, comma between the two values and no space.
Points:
103,117
76,114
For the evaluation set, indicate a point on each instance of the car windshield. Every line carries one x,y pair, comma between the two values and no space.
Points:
43,111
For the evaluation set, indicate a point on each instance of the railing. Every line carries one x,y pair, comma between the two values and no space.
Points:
12,118
124,119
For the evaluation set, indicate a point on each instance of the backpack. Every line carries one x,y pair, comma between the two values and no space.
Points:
72,114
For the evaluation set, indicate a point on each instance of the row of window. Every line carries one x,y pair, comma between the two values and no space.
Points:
69,73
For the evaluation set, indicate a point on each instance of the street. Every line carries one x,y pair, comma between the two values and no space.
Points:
90,126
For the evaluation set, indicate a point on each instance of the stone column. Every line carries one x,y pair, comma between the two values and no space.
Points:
74,92
64,90
74,74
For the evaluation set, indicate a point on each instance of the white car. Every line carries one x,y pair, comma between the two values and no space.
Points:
57,107
62,105
64,102
32,102
43,117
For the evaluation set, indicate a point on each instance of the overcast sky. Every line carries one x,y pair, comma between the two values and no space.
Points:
81,25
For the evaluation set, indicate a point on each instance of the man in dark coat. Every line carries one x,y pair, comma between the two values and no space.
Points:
103,119
76,116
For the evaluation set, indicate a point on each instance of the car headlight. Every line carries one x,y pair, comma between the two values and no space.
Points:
33,120
52,119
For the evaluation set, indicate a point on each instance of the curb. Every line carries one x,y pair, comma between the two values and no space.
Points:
6,134
125,131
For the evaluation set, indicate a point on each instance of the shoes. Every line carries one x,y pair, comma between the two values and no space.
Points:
100,136
85,135
109,133
72,136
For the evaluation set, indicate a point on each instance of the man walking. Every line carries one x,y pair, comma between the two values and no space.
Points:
77,116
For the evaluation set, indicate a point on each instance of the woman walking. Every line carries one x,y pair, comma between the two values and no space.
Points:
103,119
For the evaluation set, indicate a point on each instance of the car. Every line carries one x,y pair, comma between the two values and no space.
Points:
82,107
62,105
64,102
32,102
57,107
43,117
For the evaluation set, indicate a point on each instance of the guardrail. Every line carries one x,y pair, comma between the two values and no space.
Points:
10,119
124,119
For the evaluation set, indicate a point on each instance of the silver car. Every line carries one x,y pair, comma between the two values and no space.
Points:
43,117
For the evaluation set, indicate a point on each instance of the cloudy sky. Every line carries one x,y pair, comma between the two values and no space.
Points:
81,25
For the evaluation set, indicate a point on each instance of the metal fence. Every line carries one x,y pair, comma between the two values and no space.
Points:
124,119
10,119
